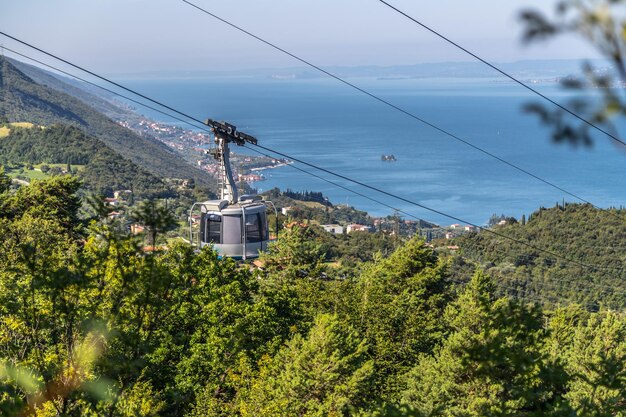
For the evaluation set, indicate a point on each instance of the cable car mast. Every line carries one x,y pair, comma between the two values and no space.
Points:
225,133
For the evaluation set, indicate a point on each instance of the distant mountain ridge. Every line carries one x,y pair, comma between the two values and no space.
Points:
23,98
535,69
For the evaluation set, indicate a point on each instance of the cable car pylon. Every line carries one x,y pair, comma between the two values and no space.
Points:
235,225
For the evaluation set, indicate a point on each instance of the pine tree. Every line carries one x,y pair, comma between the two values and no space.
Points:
324,374
492,364
5,181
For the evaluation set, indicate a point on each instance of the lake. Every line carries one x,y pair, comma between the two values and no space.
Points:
331,125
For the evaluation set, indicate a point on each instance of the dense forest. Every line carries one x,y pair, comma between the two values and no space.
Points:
314,196
94,325
104,170
592,239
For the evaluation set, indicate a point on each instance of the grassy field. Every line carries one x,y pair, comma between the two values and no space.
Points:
31,174
6,130
36,173
62,166
22,124
311,204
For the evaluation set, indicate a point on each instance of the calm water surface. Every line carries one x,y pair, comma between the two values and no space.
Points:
333,126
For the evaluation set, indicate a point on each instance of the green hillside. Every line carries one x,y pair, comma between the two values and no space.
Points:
95,97
104,169
580,232
22,99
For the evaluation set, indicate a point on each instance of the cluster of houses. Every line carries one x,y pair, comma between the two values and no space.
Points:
118,203
337,229
119,206
450,232
250,177
455,230
173,136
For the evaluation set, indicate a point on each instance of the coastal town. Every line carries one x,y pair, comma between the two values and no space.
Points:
194,146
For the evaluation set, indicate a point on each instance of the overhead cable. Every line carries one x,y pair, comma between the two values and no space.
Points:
335,184
393,106
439,212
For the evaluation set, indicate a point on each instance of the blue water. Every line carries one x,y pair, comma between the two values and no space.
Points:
331,125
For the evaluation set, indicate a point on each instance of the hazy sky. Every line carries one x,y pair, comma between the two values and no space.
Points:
121,36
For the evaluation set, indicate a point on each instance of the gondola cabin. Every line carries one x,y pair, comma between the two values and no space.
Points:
238,230
235,226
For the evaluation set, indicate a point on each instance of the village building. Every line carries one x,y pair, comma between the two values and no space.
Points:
122,194
357,228
335,229
114,202
136,229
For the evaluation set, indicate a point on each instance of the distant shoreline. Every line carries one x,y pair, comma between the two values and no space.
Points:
280,164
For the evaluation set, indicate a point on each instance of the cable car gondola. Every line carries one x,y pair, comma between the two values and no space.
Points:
236,226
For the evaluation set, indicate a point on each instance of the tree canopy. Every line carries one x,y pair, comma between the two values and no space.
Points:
91,324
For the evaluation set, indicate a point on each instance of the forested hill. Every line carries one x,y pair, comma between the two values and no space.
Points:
579,232
102,169
23,100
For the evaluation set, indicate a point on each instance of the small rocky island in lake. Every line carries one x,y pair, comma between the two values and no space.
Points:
388,158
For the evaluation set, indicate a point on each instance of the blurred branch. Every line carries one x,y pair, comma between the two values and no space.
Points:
602,23
78,374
